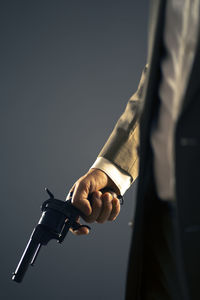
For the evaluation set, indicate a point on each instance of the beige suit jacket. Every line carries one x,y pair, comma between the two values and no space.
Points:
122,145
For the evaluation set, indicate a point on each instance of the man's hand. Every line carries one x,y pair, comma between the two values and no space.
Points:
101,207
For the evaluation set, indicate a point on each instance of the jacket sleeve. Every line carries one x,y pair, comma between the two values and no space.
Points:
121,147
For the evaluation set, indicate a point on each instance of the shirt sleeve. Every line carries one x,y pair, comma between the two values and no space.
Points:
122,179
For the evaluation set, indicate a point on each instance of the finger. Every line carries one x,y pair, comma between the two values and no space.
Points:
106,208
96,204
115,209
80,231
80,198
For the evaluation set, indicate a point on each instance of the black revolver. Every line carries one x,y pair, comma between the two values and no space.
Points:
57,218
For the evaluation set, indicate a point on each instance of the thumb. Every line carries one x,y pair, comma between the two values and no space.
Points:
80,198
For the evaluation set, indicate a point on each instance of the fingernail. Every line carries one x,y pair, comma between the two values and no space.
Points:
98,194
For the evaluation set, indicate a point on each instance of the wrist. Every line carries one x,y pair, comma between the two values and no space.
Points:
109,183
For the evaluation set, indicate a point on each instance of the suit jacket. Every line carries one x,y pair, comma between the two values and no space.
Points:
122,149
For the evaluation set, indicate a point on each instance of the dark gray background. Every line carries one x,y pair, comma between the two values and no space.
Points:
67,71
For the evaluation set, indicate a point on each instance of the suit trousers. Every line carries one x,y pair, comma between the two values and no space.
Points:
160,277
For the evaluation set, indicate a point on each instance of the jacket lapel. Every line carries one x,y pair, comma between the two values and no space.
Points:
193,86
155,51
156,16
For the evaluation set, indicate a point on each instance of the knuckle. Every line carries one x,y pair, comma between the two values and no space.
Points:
96,194
82,206
83,185
77,202
106,201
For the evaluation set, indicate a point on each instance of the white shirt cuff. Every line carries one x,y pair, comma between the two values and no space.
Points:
122,179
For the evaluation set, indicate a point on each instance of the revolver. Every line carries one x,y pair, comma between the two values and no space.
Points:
57,218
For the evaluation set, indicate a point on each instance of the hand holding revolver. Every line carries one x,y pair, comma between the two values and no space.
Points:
96,196
93,197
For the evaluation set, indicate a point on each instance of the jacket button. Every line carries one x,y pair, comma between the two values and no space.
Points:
188,142
130,224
